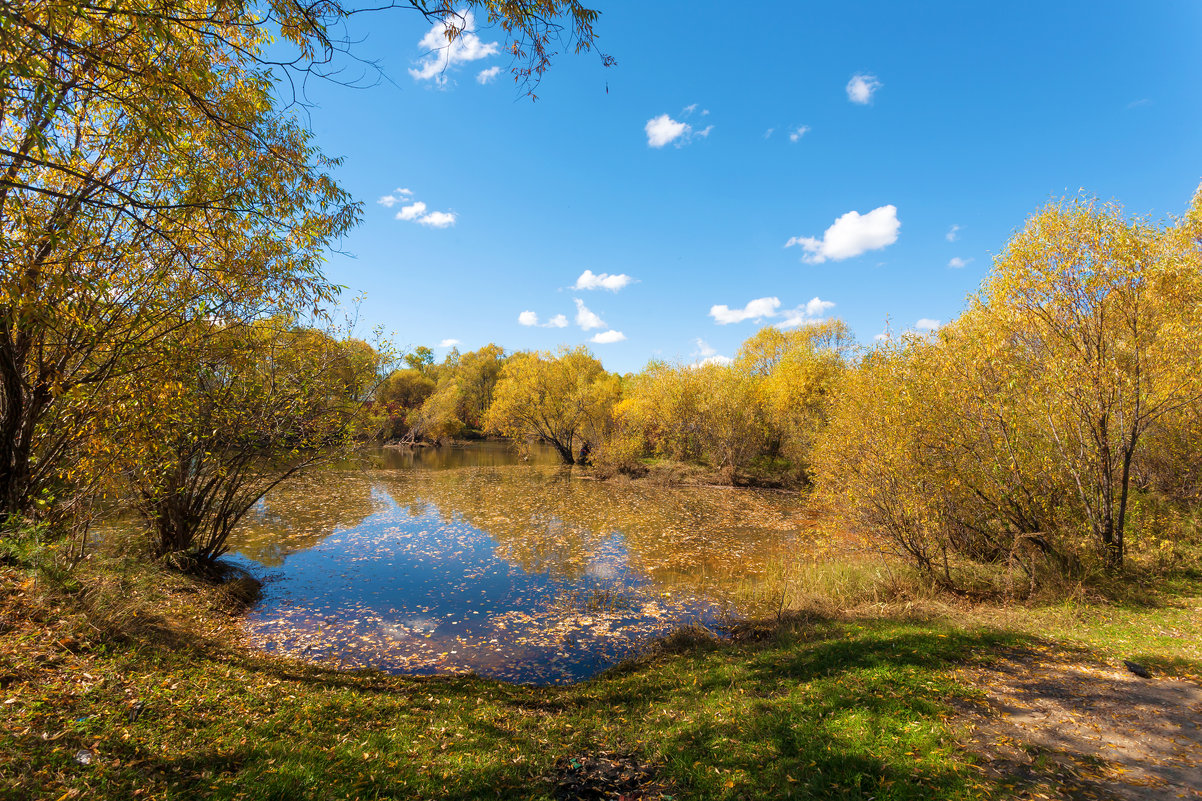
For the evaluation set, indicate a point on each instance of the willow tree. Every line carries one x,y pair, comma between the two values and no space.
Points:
1106,314
231,412
793,373
565,399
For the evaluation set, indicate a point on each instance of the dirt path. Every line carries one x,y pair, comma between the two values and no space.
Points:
1054,726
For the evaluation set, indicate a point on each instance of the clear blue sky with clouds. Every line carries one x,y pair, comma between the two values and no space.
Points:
743,166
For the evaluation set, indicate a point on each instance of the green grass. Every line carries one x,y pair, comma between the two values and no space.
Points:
804,707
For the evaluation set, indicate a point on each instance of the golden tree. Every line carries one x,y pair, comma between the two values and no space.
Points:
565,399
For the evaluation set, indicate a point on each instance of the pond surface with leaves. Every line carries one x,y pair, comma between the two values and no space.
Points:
472,560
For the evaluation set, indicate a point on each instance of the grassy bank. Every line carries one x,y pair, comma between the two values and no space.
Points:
150,689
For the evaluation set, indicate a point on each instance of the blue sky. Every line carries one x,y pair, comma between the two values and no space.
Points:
973,116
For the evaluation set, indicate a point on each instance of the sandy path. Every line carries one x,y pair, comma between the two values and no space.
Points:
1055,726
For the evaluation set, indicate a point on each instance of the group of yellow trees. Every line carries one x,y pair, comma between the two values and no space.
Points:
1022,433
1017,440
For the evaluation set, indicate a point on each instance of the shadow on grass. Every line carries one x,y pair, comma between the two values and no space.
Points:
804,708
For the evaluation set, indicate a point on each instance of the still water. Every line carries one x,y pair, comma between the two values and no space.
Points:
472,559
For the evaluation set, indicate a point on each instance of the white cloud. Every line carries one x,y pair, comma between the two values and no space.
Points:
882,337
768,308
862,87
689,109
768,133
926,324
704,132
952,233
812,312
798,132
442,55
756,309
957,262
608,337
417,211
585,318
851,235
663,129
589,280
398,196
437,219
529,318
708,354
488,75
411,212
448,343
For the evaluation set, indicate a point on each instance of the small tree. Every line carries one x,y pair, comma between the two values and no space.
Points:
233,413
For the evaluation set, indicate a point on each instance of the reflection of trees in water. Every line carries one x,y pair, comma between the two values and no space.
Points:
546,522
481,454
300,514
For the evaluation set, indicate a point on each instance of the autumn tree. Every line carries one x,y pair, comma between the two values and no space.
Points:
563,398
1107,314
464,393
399,397
691,413
231,412
793,373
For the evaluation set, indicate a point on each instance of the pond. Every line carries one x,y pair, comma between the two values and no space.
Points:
458,560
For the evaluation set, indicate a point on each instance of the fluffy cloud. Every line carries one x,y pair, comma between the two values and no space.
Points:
956,262
416,210
952,233
798,132
437,219
587,319
412,211
398,196
442,55
663,129
529,318
926,324
448,343
756,309
589,280
862,87
608,337
769,308
812,312
488,76
851,235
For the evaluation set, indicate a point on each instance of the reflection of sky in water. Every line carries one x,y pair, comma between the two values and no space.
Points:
512,572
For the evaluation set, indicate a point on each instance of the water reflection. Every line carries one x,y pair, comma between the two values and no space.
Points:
476,454
520,572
